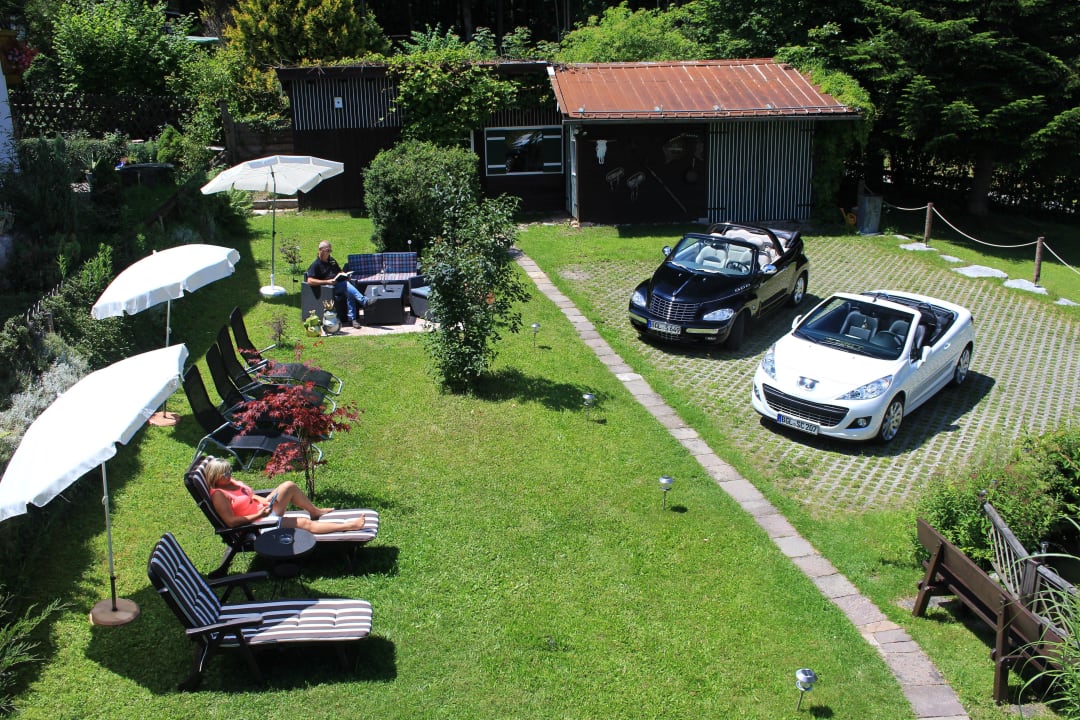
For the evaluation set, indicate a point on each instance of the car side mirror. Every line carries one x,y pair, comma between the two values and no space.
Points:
666,250
769,269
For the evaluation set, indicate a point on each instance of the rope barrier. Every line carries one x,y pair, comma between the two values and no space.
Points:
1060,260
976,240
983,242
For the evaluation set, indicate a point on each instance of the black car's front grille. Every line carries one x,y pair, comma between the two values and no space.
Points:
824,415
675,312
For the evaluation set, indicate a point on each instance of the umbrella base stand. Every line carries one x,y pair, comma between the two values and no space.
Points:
272,291
164,418
103,613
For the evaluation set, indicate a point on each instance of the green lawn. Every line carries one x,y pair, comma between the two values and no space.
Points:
524,567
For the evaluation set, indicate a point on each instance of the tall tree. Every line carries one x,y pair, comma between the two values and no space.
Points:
759,28
287,32
974,84
623,35
111,47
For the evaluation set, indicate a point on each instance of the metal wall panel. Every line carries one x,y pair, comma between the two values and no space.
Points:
760,170
365,103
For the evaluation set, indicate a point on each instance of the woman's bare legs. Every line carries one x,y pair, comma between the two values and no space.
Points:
324,526
289,493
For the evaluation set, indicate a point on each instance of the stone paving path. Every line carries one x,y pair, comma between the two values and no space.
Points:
930,696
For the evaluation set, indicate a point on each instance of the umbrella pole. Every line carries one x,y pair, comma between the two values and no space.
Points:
273,289
164,418
114,611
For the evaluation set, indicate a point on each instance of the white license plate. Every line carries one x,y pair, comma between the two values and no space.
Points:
664,327
797,424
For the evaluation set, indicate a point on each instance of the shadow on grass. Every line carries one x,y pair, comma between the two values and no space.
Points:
153,652
512,384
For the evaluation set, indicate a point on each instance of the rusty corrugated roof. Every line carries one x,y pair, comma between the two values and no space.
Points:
698,89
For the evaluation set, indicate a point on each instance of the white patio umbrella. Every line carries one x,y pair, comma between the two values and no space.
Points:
79,432
163,277
277,175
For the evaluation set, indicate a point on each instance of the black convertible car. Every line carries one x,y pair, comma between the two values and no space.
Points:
713,284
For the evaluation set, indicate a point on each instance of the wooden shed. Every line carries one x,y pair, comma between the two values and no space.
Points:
706,140
623,142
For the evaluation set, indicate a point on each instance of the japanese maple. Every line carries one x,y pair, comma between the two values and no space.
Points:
294,413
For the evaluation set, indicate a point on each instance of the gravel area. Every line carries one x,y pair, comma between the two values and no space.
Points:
1025,375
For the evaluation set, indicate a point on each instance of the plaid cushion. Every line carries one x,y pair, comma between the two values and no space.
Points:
398,262
363,265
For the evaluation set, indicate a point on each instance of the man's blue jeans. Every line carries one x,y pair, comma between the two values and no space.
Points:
355,297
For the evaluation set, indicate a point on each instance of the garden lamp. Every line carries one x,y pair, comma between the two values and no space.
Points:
804,681
535,329
666,481
589,399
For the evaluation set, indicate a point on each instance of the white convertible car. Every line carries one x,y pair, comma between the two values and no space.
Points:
853,365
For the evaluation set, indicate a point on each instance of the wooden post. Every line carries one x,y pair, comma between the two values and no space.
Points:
929,223
1038,259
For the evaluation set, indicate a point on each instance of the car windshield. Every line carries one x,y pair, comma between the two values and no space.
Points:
865,328
714,255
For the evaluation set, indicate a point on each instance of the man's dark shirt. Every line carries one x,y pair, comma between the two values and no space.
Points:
324,270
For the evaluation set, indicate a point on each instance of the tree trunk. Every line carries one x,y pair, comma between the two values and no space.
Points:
982,174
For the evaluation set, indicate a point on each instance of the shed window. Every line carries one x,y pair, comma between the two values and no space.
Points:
523,150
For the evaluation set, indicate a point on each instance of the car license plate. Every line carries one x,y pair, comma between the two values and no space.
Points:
797,424
664,327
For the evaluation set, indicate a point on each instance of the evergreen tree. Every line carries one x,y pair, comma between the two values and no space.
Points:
974,84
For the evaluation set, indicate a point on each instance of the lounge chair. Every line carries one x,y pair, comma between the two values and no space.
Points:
298,372
224,433
233,397
248,626
242,537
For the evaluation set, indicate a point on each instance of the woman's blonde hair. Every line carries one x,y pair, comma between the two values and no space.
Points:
216,470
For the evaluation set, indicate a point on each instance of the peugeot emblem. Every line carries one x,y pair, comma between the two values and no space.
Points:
807,383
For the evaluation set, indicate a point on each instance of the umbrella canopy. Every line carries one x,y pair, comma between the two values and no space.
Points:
278,175
164,276
79,432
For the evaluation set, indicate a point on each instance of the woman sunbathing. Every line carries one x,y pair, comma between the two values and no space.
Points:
237,504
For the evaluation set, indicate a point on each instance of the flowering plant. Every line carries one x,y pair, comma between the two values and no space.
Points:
19,57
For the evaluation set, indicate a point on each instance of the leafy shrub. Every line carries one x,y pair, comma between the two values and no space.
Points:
170,146
1032,485
410,188
473,288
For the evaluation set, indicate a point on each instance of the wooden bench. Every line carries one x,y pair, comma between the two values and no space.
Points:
1023,640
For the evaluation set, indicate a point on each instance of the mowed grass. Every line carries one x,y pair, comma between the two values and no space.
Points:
524,568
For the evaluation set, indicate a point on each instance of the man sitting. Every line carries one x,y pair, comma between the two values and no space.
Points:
326,271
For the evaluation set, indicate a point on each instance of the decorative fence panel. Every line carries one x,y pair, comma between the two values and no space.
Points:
1027,578
36,114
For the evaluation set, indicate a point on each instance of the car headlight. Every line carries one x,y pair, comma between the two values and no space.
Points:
870,390
768,363
639,299
718,315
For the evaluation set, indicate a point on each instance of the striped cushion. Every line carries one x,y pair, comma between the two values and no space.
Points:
172,571
307,621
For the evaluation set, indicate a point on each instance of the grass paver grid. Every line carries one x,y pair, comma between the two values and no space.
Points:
1023,374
